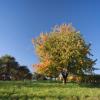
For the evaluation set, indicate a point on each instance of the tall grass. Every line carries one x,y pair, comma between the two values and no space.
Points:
44,90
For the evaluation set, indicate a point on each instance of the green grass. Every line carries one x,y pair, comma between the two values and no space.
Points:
45,90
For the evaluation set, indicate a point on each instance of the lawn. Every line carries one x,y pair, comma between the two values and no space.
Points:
47,90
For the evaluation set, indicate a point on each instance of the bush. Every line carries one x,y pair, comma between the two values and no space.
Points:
38,76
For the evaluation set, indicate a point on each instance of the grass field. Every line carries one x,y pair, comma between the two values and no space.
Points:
45,90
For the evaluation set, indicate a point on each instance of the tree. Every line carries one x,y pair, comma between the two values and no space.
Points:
63,48
8,67
23,72
11,70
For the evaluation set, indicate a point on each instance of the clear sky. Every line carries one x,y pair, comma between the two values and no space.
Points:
21,20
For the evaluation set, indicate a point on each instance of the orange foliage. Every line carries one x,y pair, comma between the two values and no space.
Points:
41,46
44,38
74,78
81,62
42,67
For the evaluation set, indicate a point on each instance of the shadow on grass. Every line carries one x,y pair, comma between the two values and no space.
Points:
90,85
51,84
25,97
57,84
47,84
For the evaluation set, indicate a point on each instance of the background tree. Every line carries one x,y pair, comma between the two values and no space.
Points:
23,72
63,48
8,66
11,70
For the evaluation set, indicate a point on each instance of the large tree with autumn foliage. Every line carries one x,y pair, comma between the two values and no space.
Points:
63,48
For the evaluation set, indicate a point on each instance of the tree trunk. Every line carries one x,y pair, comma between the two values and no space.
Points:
64,74
64,79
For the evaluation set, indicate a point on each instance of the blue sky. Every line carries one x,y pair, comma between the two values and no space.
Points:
22,20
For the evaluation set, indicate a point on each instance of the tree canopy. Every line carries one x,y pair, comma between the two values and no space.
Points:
63,47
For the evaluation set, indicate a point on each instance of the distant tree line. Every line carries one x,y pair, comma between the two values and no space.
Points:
10,69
